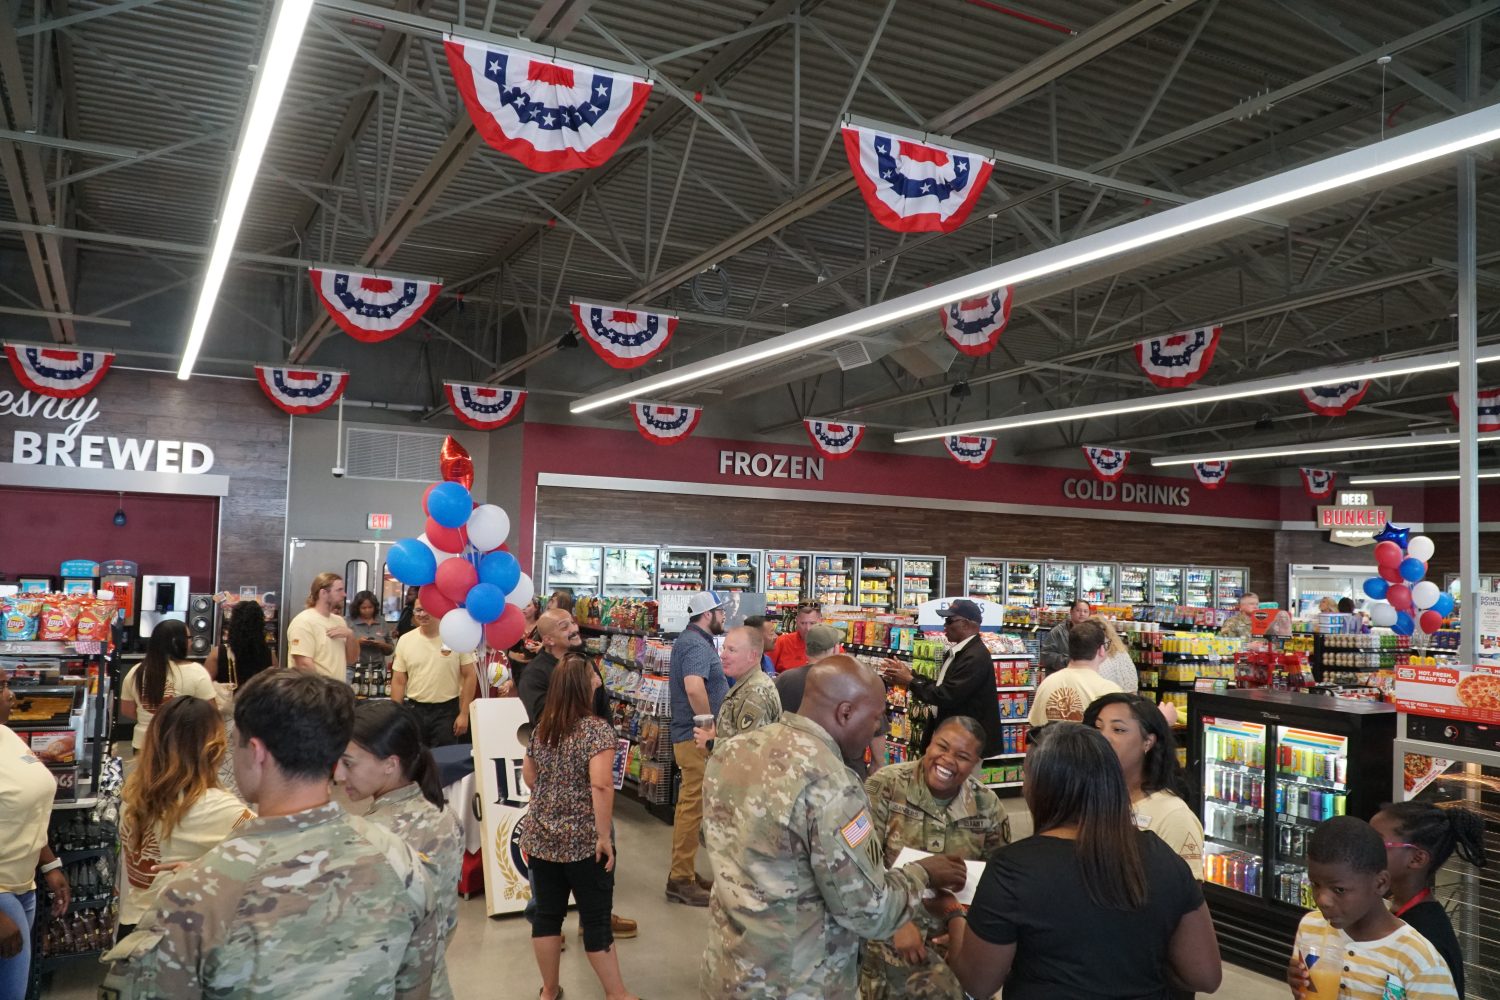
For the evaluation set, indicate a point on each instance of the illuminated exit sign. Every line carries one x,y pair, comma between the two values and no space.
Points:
378,522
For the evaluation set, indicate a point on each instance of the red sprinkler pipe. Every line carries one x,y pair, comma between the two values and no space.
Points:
1023,16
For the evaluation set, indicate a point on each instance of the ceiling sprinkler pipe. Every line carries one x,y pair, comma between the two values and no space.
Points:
1023,16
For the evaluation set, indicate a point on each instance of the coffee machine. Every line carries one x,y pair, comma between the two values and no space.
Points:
162,598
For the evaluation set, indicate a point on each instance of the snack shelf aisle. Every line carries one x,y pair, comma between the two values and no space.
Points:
634,668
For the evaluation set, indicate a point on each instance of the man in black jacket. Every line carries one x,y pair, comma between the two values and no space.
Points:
965,681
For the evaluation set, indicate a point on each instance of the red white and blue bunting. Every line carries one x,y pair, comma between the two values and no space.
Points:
1108,463
1178,359
63,372
914,187
1488,409
1318,483
624,338
970,452
1211,474
1337,399
834,440
664,423
484,407
300,391
371,308
549,114
974,325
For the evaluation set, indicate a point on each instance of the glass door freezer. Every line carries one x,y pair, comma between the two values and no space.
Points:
921,579
833,579
1023,583
734,569
1166,585
683,569
1135,585
879,580
985,579
630,571
1198,587
1096,582
1060,584
788,577
574,566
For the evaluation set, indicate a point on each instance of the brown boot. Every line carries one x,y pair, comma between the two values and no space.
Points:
689,893
706,884
621,927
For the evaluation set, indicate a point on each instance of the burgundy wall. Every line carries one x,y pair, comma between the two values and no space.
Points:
167,535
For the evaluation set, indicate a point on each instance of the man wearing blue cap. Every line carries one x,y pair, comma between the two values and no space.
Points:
965,680
697,685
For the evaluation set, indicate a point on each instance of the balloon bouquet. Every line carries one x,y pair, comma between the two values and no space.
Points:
1407,601
466,577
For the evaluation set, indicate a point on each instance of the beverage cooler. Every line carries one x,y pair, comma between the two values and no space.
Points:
737,569
833,579
1060,584
1097,583
921,579
1022,582
630,572
1135,585
574,566
1269,766
879,577
985,579
1166,585
1198,587
1229,586
684,570
788,576
1307,585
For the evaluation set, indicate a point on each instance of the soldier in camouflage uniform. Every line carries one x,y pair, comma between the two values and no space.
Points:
752,701
932,804
306,901
798,873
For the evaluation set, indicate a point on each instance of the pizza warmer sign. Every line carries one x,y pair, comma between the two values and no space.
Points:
1472,694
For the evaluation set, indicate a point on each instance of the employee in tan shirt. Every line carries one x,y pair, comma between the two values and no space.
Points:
437,683
1066,693
319,640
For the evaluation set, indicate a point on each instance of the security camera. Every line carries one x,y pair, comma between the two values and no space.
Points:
338,471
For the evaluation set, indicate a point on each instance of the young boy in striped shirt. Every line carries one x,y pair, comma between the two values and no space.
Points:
1352,947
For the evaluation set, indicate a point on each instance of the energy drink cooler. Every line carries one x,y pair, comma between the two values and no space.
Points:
1269,766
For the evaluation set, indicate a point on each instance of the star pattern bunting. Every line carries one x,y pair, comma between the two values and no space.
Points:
300,391
834,440
1178,359
371,308
1211,474
64,373
484,407
1318,483
971,452
1335,400
974,325
624,338
914,187
1108,463
1488,408
549,115
664,423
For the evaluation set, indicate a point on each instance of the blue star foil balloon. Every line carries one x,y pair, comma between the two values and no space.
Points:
1391,533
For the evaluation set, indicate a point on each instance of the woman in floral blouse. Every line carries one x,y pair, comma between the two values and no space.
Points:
566,830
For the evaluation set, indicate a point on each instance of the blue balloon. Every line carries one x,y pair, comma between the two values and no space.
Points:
485,602
501,570
1404,624
1412,569
1375,588
412,563
1444,605
450,505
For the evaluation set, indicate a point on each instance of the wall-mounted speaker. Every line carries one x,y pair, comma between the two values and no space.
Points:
200,623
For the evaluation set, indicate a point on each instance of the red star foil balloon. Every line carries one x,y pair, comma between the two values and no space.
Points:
456,464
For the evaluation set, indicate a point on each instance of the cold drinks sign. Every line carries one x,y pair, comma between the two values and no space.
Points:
70,446
1354,520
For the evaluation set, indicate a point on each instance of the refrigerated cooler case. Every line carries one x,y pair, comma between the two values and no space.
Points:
1060,584
630,572
1270,765
833,578
735,569
573,566
1023,580
879,578
985,579
788,577
1309,584
921,579
1198,587
683,570
1166,585
1229,586
1097,582
1135,585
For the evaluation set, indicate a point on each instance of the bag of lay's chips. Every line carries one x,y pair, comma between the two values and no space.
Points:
19,619
58,622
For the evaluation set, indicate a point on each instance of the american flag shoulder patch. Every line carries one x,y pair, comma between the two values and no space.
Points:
857,830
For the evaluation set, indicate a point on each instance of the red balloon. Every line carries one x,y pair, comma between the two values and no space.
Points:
455,578
1391,573
505,631
1388,553
456,464
427,493
447,539
1399,595
1430,621
434,602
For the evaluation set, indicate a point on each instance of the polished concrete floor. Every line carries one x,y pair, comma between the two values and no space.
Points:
491,958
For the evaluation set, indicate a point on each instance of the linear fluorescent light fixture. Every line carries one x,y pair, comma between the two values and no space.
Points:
1416,477
288,20
1454,135
1322,448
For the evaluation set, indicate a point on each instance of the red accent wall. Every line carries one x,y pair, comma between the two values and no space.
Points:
171,535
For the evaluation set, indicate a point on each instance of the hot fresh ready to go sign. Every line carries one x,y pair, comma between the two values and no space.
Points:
72,448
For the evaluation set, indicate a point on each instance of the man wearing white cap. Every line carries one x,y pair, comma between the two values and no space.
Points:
698,686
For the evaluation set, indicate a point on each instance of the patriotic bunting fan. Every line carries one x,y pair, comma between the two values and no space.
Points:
301,391
1489,409
834,440
1178,359
1335,400
914,187
1318,483
550,115
371,308
974,325
484,407
970,452
624,338
1211,474
64,372
665,423
1108,463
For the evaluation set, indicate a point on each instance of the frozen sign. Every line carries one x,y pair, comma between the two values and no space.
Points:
70,446
767,466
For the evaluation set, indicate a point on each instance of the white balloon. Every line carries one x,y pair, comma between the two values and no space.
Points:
437,553
1382,614
488,527
1425,594
522,593
1421,547
460,632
